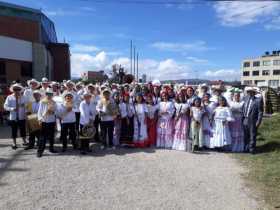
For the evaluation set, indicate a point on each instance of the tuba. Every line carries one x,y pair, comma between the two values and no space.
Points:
88,131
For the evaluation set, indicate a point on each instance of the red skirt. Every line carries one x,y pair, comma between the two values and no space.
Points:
152,131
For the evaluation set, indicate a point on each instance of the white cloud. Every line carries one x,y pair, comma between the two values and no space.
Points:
61,12
240,13
164,69
181,47
224,74
197,60
85,62
84,48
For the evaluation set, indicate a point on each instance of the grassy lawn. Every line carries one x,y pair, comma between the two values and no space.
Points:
264,167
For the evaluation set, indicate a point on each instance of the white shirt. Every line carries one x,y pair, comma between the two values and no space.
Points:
101,108
66,117
35,106
10,105
42,116
123,109
88,112
28,94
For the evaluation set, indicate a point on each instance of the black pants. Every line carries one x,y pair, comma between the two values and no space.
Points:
250,136
33,136
18,125
77,124
84,142
48,130
68,129
107,128
96,125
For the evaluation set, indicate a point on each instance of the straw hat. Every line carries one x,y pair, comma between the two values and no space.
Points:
69,82
29,82
67,94
49,91
16,86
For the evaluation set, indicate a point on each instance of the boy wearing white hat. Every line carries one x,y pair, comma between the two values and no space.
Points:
16,104
33,85
47,118
68,119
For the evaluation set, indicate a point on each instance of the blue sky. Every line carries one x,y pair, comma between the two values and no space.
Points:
207,40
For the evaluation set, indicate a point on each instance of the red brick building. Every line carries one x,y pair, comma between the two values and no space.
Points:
29,47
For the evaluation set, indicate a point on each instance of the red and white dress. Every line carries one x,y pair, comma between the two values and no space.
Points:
140,137
165,125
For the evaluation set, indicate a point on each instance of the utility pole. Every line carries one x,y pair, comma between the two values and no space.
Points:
134,61
137,67
130,56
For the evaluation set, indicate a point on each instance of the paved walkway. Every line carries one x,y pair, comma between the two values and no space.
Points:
120,179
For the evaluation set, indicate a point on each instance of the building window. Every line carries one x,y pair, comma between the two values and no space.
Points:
256,63
246,73
265,72
2,68
273,83
26,69
276,62
246,64
256,73
266,63
247,82
276,72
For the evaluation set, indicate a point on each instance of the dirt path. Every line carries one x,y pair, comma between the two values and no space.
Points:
121,179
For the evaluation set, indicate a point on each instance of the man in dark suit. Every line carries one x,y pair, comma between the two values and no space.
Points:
252,118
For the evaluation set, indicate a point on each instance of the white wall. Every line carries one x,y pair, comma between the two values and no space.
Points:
15,49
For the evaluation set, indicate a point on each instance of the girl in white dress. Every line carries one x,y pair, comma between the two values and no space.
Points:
196,134
209,107
236,126
181,129
165,125
140,137
222,117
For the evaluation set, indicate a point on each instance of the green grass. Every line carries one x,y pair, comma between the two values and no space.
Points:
264,167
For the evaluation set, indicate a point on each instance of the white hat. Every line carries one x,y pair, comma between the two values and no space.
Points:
251,89
156,82
67,94
16,85
37,92
54,83
86,93
45,80
69,82
49,90
33,81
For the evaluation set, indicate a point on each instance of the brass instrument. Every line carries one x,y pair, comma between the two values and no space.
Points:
33,123
88,131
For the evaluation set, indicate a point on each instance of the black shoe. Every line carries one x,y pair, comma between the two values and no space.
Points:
63,150
83,152
39,155
14,147
52,151
28,148
253,152
25,144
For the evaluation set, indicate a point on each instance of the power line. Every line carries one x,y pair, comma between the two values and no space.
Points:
148,2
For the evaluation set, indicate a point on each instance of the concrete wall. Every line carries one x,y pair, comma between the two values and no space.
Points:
39,61
15,49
